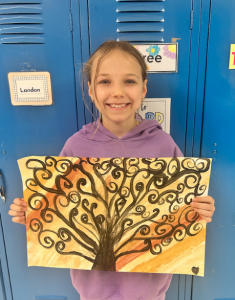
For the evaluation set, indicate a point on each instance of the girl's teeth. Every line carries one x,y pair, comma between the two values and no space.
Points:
113,105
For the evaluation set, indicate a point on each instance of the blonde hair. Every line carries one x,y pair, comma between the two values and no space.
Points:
101,52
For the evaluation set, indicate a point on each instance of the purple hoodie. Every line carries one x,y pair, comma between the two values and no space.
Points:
145,140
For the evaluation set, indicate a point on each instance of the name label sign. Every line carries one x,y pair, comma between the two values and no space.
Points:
30,88
160,58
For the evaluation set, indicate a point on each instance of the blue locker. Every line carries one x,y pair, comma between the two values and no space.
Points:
218,141
4,275
35,35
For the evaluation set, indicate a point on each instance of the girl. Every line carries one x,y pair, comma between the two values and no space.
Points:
116,74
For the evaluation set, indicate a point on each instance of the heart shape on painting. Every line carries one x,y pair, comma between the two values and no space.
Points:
195,270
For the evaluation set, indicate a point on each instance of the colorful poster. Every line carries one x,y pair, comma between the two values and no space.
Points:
232,57
157,109
160,58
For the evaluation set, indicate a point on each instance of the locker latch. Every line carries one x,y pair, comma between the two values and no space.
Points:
2,192
191,20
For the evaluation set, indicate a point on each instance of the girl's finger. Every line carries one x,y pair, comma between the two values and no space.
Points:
204,213
20,201
207,219
16,213
204,206
20,220
206,199
17,207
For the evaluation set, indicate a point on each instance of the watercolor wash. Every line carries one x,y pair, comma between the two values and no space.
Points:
115,214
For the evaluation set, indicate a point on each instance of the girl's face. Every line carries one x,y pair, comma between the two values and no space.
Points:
118,88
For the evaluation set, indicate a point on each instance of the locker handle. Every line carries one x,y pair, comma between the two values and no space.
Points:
2,192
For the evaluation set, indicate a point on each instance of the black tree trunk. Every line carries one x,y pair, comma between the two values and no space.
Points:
105,258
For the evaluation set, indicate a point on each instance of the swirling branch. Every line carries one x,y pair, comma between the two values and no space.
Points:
129,222
82,181
64,234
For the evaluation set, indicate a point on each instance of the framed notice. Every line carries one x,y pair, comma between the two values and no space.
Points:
30,88
157,109
160,58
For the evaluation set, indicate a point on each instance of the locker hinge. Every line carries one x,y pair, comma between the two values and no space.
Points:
191,20
71,21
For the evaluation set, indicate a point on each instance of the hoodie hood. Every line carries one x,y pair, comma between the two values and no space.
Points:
97,132
145,140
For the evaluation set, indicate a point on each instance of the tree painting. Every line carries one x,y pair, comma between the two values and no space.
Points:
115,214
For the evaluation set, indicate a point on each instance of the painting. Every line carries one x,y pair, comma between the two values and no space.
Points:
115,214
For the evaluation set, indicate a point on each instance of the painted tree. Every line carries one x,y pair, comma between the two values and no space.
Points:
113,208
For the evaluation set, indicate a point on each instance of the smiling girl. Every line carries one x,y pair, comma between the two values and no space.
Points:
116,74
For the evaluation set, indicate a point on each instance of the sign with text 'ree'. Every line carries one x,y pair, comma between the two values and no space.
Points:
160,58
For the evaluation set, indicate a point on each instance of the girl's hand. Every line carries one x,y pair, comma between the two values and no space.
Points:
18,210
205,206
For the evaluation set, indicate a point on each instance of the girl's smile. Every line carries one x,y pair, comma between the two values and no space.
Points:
118,106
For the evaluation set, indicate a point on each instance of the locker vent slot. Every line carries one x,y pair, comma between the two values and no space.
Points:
140,1
140,21
20,1
21,22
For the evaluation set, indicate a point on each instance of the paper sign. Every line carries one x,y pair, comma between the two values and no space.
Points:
232,57
160,58
157,109
30,88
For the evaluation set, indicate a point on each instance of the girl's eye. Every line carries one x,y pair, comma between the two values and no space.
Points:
104,81
130,81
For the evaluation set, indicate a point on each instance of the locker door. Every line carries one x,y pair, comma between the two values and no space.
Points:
218,142
5,289
2,286
35,35
148,22
1,290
